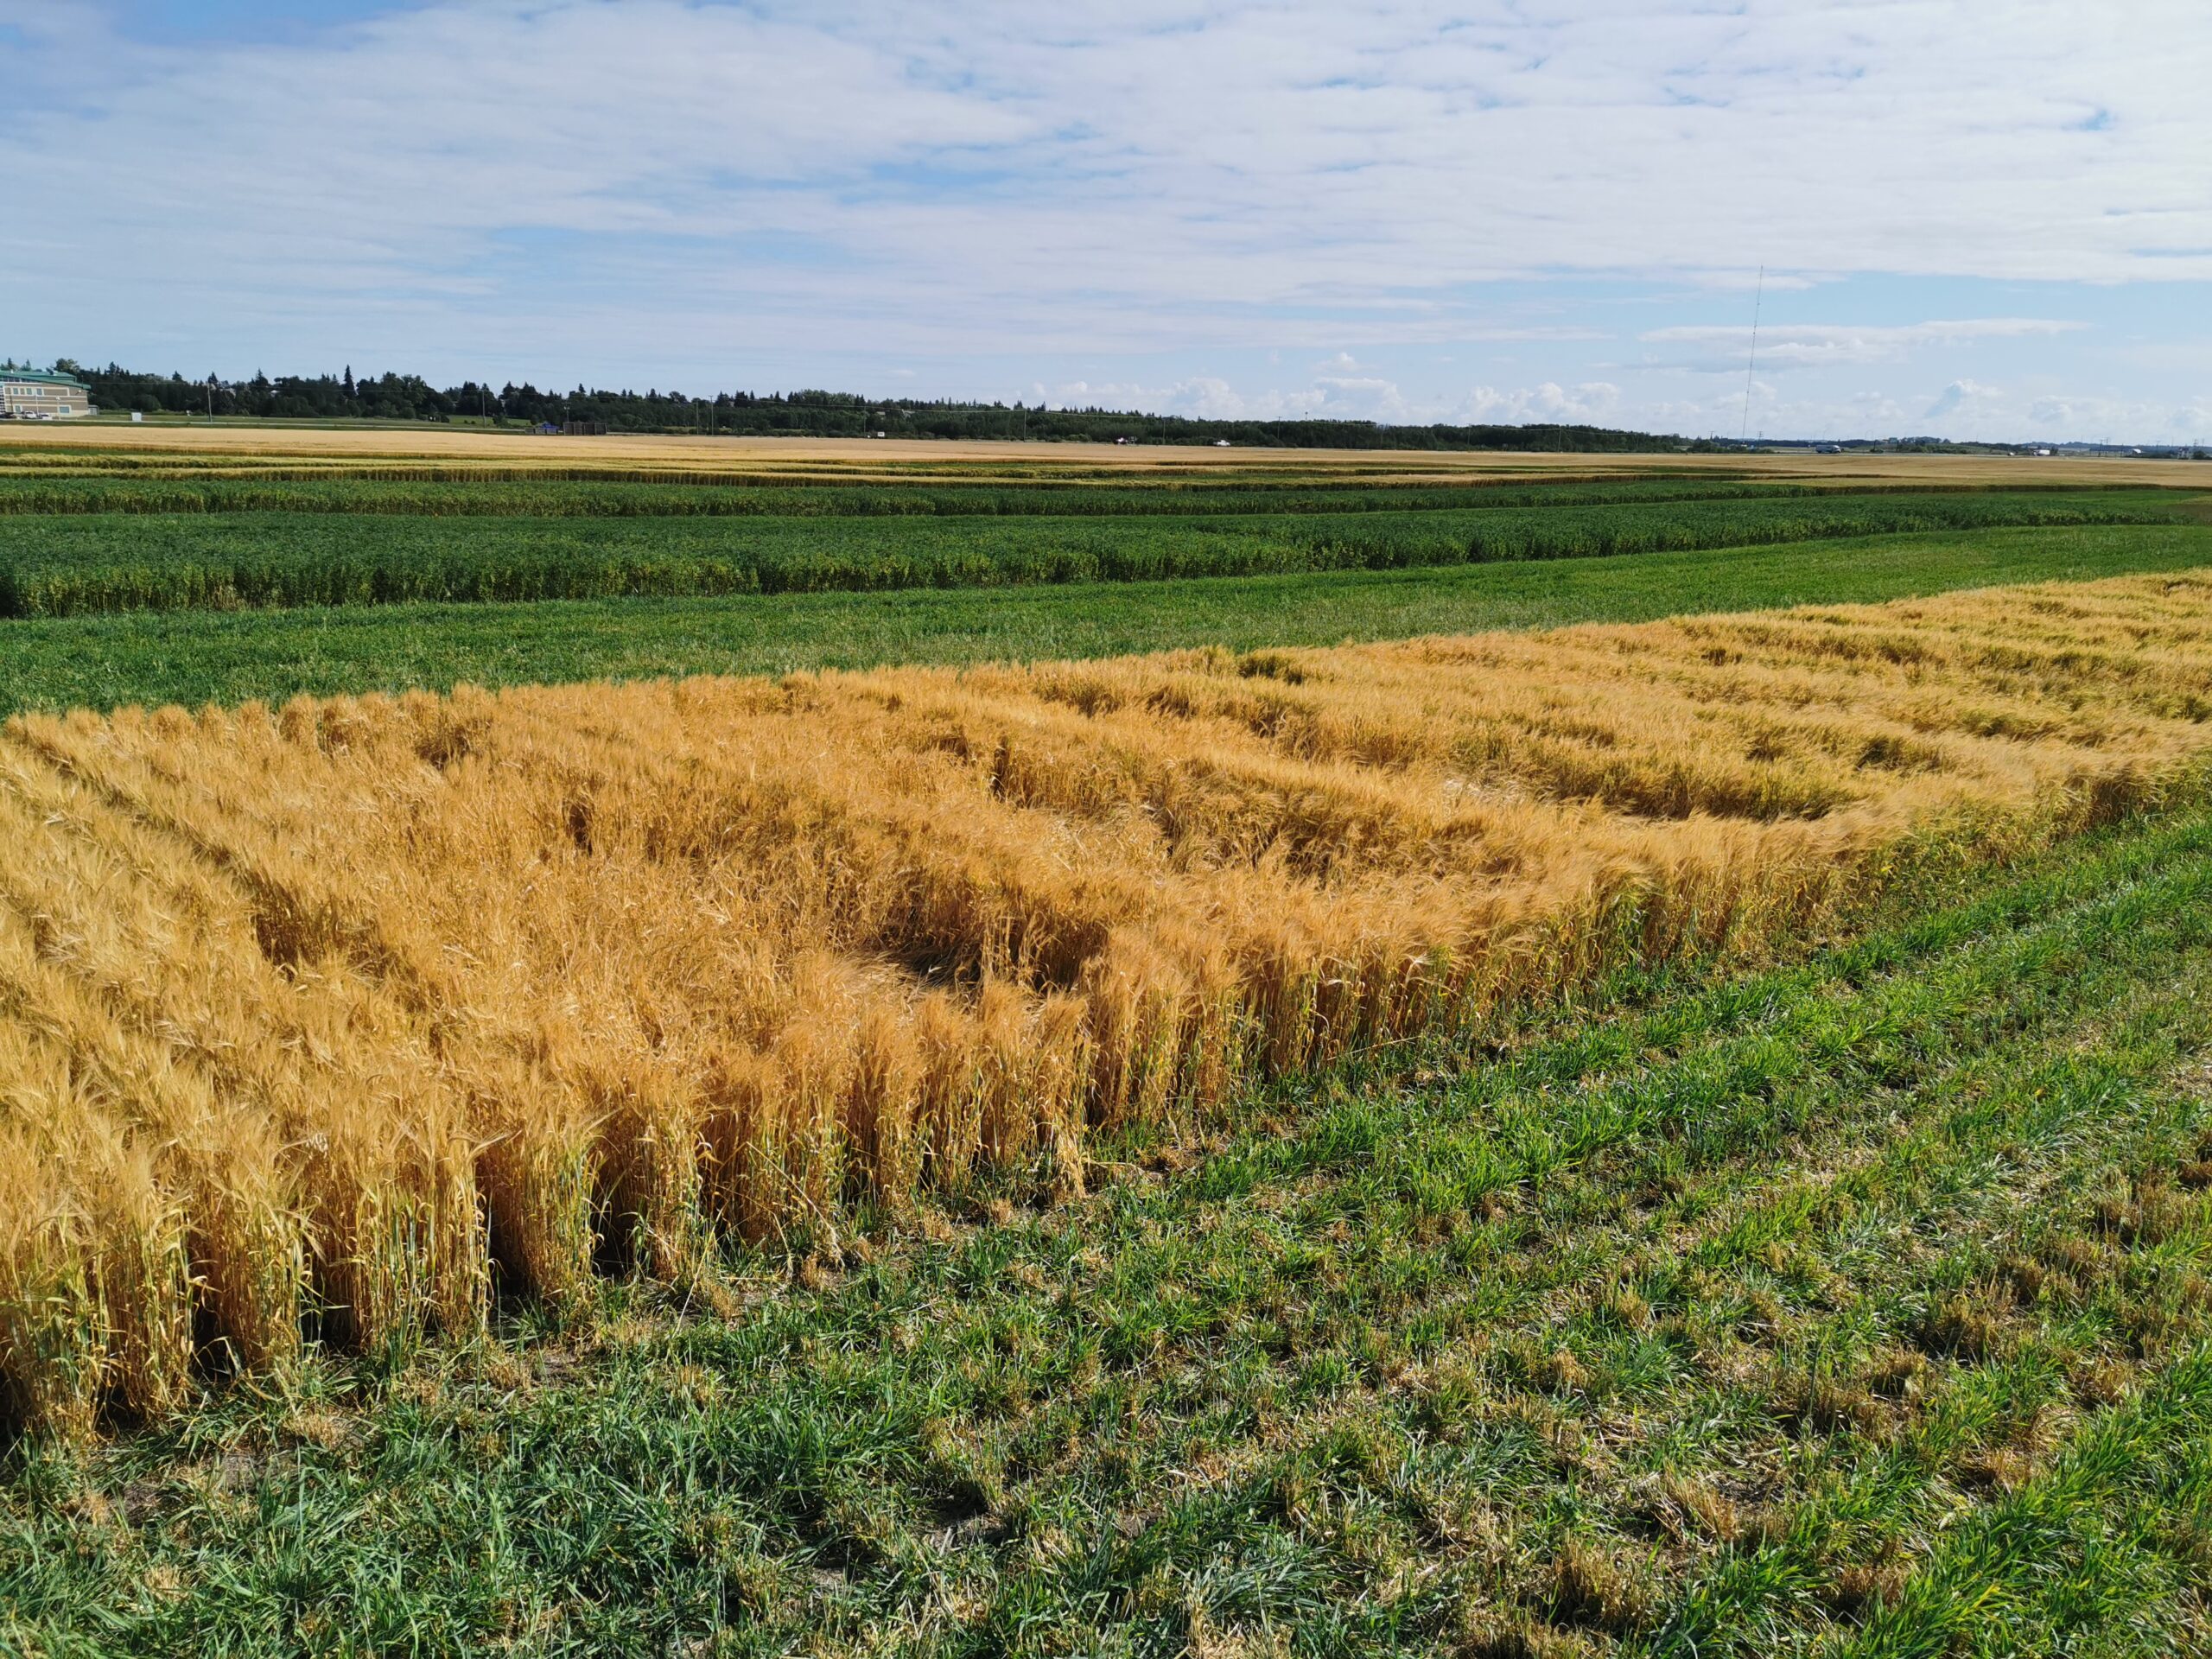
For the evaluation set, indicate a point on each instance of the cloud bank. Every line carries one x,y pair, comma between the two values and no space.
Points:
711,182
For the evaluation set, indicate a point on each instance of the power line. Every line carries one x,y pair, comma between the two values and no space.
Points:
1751,367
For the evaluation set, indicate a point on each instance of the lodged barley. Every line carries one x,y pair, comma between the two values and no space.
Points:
323,1019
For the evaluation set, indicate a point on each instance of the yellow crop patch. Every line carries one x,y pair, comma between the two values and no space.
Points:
345,1002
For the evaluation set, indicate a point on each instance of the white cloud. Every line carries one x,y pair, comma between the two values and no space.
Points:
1360,397
1726,349
1963,408
1591,404
1530,336
1959,394
1363,397
1187,168
2099,418
1131,196
1750,281
1209,398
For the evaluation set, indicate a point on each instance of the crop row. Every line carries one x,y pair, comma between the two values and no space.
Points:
559,462
786,497
195,658
77,564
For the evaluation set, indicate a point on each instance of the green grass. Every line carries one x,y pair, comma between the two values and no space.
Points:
74,564
104,661
1855,1305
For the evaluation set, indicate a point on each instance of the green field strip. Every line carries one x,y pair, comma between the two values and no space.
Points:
197,657
95,563
499,494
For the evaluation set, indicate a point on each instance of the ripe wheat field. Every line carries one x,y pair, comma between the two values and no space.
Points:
319,1023
404,448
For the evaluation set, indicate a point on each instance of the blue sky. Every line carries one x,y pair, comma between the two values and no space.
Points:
1978,220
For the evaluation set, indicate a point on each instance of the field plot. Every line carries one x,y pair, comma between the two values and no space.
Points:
1853,1306
74,564
196,656
409,450
110,488
314,1015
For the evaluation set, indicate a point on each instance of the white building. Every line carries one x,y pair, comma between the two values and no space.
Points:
36,394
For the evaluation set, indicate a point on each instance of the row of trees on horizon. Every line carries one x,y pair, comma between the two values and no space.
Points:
845,415
797,414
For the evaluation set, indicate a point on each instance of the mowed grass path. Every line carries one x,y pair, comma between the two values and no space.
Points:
1857,1306
192,658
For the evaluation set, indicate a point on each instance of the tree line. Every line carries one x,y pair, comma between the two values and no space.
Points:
395,397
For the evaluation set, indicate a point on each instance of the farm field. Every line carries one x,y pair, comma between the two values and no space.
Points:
295,998
71,564
1215,1053
195,658
249,446
1852,1306
580,492
1288,833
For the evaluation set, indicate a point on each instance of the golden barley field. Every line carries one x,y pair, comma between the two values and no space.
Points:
323,1019
248,450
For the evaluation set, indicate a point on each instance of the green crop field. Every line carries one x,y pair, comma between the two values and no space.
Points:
537,496
72,564
1854,1297
193,657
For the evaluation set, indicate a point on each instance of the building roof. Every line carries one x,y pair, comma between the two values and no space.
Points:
44,377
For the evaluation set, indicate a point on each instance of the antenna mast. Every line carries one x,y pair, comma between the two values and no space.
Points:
1758,296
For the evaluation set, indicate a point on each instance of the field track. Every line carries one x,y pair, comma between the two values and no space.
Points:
327,1010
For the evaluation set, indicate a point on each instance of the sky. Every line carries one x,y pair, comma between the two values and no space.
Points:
1987,220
